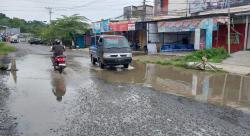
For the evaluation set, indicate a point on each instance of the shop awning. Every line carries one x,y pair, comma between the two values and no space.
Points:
190,24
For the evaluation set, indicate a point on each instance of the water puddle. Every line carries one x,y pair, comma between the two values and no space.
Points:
42,98
218,88
38,97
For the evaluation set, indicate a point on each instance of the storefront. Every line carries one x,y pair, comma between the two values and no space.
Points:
239,35
141,34
220,37
188,34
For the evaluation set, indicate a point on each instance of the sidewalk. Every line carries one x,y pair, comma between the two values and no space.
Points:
238,63
241,58
235,69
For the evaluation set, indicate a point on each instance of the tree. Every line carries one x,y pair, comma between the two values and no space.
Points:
66,28
33,27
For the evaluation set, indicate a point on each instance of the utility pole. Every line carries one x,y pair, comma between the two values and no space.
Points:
144,10
229,27
50,13
187,8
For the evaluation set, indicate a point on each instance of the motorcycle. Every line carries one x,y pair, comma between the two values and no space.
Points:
59,63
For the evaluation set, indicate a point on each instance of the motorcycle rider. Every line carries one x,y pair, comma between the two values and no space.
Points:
57,49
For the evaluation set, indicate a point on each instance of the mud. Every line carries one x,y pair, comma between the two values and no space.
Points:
142,100
218,88
124,109
7,120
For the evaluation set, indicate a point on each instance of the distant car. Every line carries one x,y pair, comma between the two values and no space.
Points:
14,39
35,41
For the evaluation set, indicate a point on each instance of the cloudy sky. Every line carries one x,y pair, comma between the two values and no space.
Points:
92,9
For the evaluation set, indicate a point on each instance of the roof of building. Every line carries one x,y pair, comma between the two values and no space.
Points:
240,10
176,18
233,10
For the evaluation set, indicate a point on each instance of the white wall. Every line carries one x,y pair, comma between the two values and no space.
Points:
153,35
177,7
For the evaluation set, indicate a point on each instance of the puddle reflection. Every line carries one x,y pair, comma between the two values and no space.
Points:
222,89
58,85
14,76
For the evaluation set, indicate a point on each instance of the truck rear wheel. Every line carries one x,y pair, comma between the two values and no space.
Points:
101,65
93,60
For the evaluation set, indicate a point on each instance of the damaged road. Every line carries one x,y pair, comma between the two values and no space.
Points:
143,100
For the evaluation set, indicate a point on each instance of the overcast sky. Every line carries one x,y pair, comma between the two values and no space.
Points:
92,9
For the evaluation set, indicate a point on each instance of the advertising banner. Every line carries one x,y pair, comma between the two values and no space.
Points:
96,27
105,25
118,26
131,27
190,24
179,26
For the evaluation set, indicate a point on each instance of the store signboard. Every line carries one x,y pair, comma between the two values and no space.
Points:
96,27
188,25
178,26
105,25
131,27
118,26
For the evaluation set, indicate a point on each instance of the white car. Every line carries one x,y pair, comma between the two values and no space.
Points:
14,39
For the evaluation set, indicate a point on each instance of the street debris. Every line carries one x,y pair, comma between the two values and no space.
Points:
204,65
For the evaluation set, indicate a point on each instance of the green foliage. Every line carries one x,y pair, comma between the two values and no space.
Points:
33,27
65,28
5,48
214,55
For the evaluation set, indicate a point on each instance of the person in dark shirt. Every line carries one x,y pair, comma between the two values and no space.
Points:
58,50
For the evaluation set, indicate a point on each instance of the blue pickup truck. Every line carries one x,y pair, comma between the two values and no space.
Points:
110,50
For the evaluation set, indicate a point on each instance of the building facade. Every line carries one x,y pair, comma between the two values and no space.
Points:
137,11
161,7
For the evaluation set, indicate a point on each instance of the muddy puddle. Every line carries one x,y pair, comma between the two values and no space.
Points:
217,88
39,95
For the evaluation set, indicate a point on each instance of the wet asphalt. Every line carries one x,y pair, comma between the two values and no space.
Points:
143,100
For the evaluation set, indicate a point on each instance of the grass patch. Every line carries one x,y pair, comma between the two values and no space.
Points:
215,55
5,48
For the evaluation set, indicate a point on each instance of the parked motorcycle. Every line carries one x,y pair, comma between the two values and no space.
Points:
59,63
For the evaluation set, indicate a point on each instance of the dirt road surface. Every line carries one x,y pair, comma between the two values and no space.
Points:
142,100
